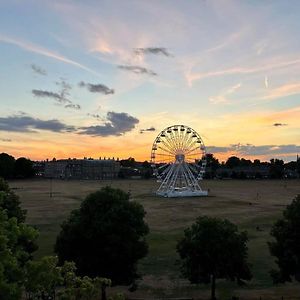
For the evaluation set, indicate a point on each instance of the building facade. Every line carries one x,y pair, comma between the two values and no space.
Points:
82,169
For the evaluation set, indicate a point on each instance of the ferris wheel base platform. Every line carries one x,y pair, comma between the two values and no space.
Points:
185,193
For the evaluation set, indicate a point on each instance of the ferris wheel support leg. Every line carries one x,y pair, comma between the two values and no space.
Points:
163,187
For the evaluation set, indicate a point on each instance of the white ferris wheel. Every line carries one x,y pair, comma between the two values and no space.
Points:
178,158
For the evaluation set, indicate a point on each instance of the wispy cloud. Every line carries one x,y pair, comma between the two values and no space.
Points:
147,129
260,46
61,97
28,46
48,94
95,116
241,70
152,50
97,88
116,124
38,70
266,82
137,70
223,97
283,91
73,106
25,123
252,150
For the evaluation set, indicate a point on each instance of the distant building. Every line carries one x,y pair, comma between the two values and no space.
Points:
82,169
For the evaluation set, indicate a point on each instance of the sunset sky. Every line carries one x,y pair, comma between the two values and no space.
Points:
103,78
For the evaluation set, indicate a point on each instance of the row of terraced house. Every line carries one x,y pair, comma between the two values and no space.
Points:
93,169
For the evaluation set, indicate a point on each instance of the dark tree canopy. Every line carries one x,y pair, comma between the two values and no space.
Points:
286,247
213,248
24,168
212,164
7,165
105,236
276,168
232,162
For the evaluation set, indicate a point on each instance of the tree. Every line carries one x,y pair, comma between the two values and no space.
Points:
17,244
146,170
286,246
232,162
23,168
43,277
213,249
46,280
212,164
105,236
276,168
7,165
129,162
10,202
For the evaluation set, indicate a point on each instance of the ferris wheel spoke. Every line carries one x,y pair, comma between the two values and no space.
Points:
162,154
165,165
168,147
195,138
164,172
191,155
191,151
177,138
195,152
191,174
192,144
186,137
166,150
194,148
173,142
180,137
188,142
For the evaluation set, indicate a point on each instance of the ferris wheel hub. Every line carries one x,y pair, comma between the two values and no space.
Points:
179,158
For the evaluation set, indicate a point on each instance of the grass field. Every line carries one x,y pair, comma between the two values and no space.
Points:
247,203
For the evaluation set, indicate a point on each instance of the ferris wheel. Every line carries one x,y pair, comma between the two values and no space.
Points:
178,159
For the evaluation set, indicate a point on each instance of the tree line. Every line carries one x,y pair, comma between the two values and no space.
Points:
101,242
15,168
234,167
241,168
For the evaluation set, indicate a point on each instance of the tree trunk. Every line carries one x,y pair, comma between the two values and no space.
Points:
103,292
213,287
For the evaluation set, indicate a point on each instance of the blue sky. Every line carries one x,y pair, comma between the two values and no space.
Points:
83,78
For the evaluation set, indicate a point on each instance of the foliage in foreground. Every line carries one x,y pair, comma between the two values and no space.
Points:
286,246
213,249
105,237
17,244
47,280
